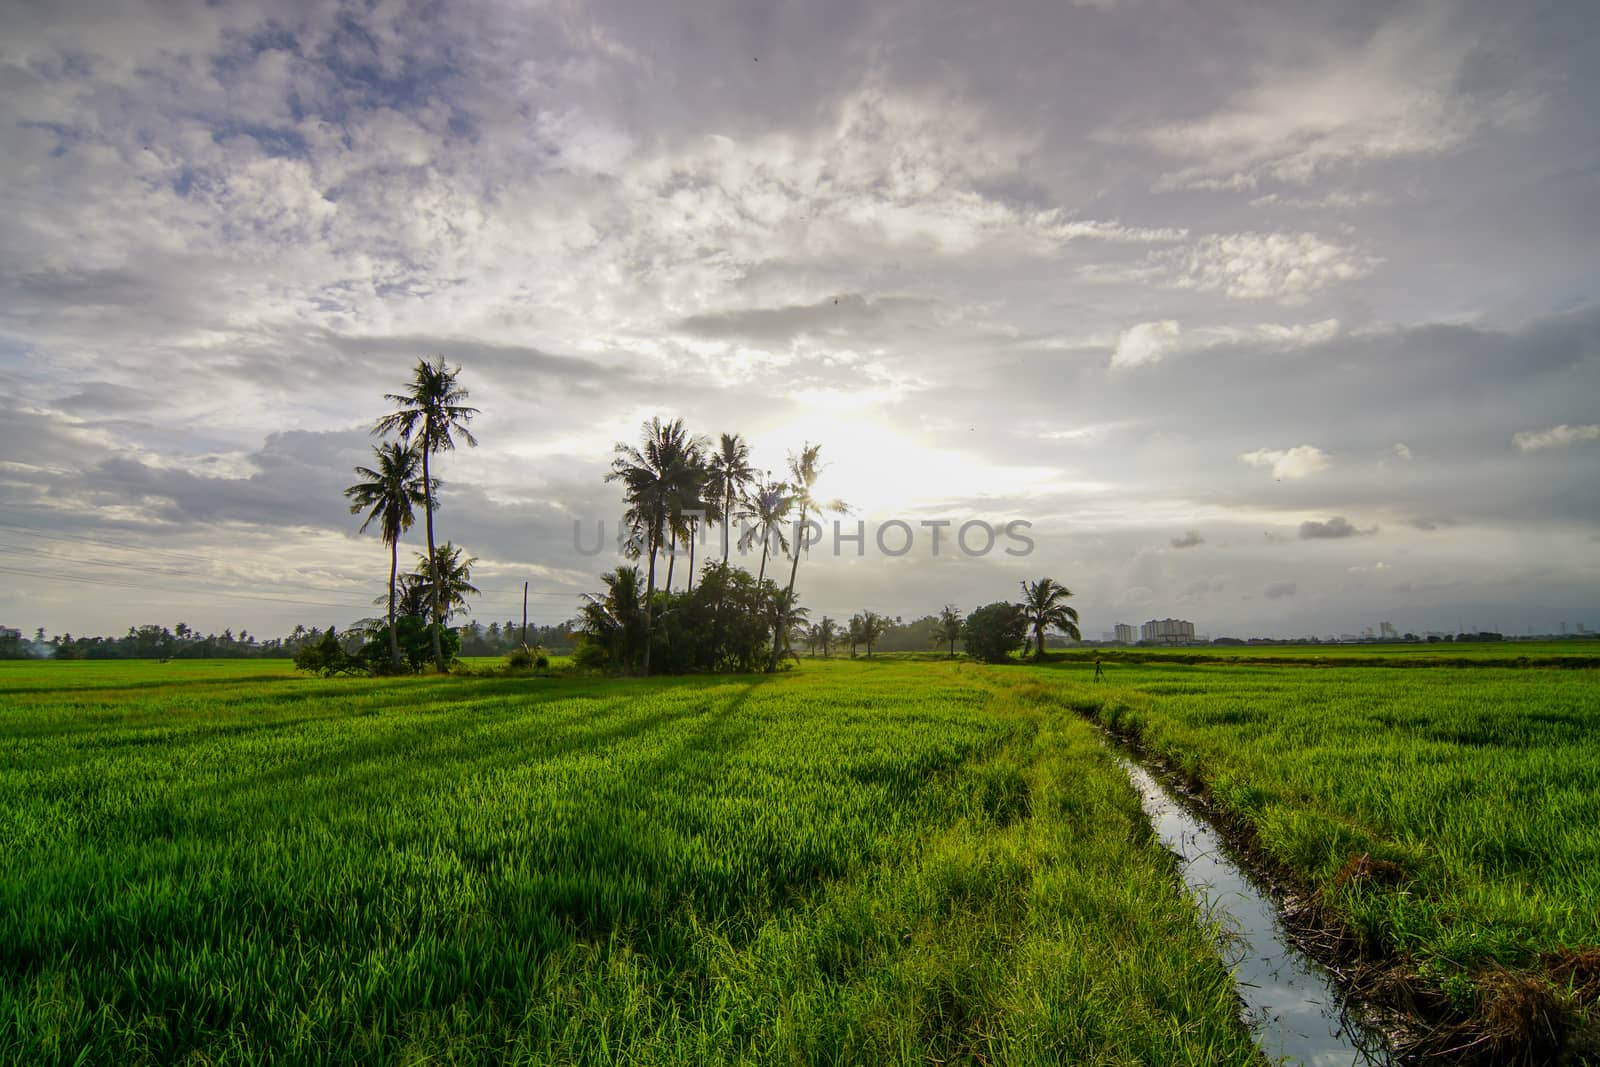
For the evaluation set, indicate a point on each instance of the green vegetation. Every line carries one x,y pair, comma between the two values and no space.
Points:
1473,794
894,863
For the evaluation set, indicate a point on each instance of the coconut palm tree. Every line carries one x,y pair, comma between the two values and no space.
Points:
392,490
1042,604
852,634
948,628
448,579
616,619
432,410
804,469
768,504
730,478
826,630
682,526
657,478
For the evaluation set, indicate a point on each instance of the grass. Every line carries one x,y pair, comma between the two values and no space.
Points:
1480,787
894,863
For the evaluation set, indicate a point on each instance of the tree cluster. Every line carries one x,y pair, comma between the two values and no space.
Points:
674,481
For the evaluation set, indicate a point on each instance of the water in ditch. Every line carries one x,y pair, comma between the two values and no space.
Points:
1292,1005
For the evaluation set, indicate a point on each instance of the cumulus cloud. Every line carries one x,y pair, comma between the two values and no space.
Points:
1279,590
1145,343
1335,527
1189,539
1555,437
1301,461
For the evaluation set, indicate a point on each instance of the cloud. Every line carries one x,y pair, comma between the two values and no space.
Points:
1279,590
1145,343
1403,451
1288,267
1335,527
1403,91
1300,461
1188,540
1555,437
1297,335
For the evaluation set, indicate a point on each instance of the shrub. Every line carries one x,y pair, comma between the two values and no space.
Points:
994,631
327,657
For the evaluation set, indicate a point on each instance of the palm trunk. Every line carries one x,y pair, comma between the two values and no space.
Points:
394,567
1038,634
794,568
433,577
727,508
694,528
649,605
672,559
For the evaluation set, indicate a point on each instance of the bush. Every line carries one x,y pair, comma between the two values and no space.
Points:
327,657
519,659
994,631
414,635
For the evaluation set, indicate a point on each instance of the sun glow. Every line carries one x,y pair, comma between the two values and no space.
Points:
879,471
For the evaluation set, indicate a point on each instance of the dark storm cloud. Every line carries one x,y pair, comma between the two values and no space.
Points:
1188,540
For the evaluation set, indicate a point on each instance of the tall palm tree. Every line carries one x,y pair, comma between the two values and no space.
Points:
804,469
852,635
432,409
826,630
448,578
730,478
682,526
1042,604
769,503
948,628
657,478
392,490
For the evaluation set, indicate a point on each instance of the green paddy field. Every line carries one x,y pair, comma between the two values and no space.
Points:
895,861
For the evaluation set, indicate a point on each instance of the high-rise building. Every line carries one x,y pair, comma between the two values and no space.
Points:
1125,633
1167,631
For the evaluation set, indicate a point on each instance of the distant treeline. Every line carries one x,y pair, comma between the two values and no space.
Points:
154,641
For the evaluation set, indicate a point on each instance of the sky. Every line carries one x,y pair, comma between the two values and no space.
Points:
1278,317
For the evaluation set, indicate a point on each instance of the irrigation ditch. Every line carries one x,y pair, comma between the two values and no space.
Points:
1293,1005
1310,992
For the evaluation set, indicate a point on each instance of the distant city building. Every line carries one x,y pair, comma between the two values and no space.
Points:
1386,630
1167,631
1125,633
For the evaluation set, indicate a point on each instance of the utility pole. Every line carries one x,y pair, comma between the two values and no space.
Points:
524,614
